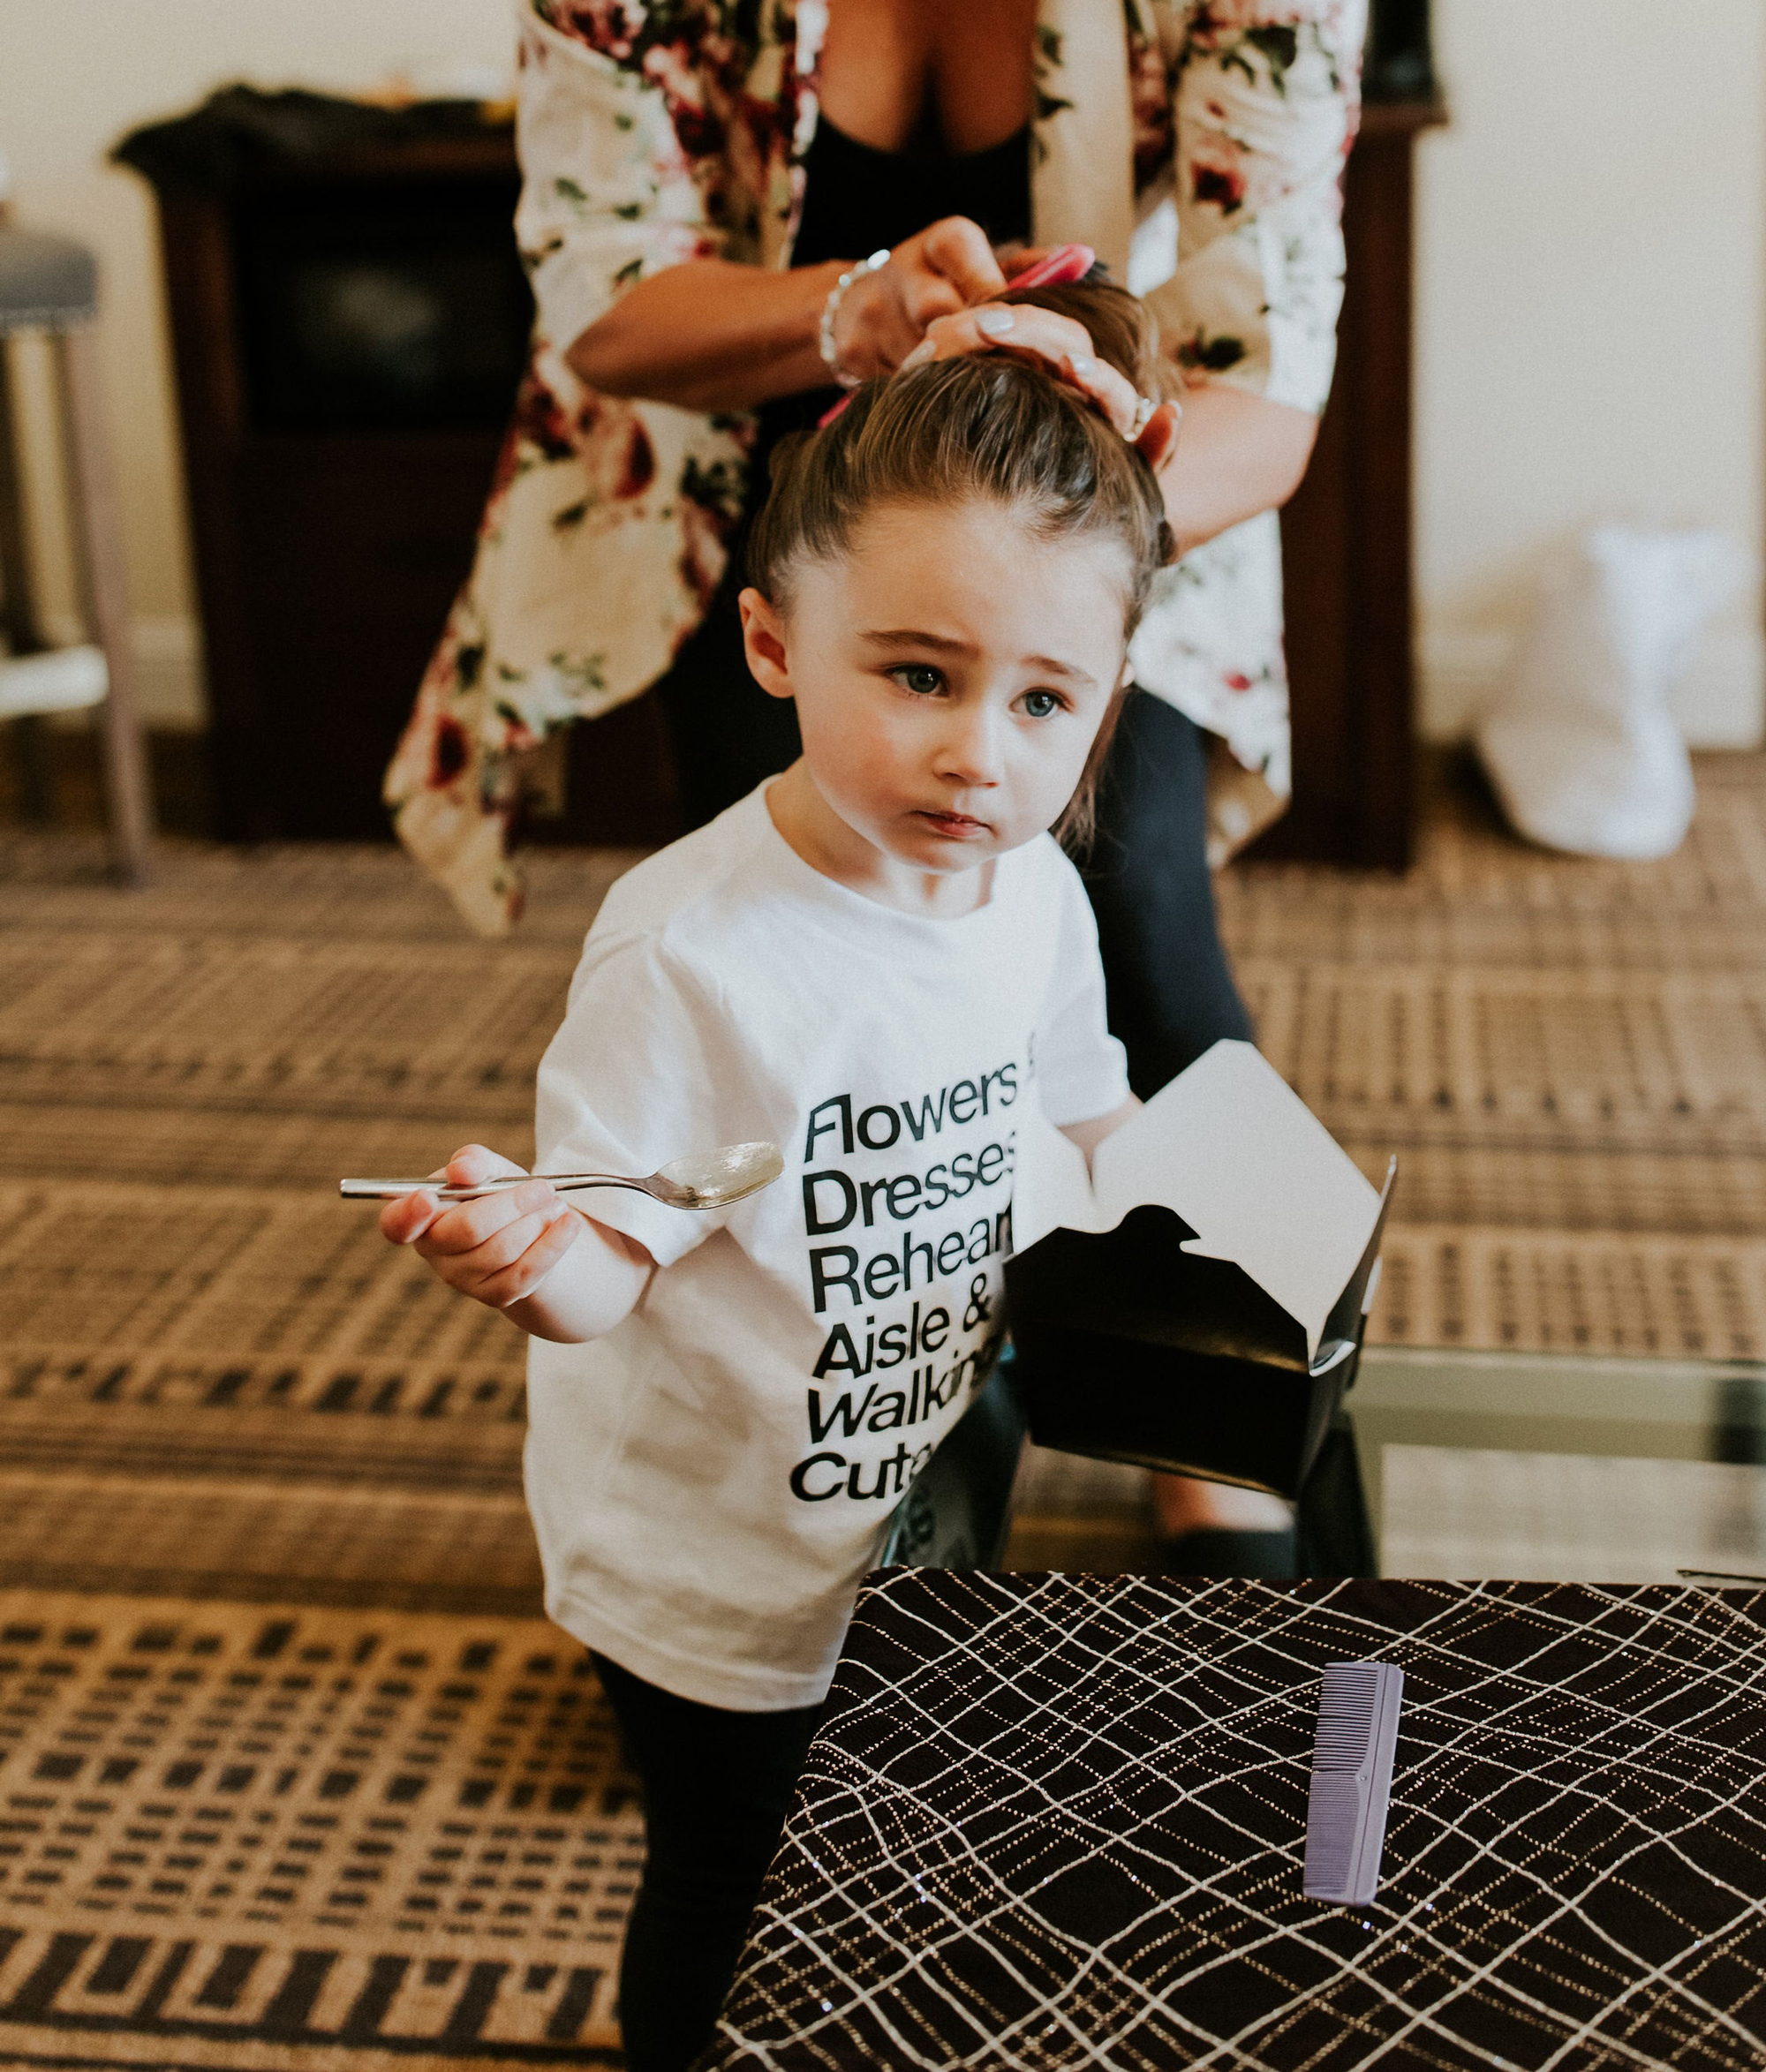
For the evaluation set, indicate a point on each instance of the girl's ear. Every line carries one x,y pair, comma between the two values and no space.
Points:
763,641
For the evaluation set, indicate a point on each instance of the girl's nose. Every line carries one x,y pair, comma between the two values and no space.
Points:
971,753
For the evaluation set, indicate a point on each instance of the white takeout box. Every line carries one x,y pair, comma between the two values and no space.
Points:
1198,1302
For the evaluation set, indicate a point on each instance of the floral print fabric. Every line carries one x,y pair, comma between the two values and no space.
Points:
653,132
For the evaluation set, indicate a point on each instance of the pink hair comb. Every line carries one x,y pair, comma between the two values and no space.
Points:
1066,262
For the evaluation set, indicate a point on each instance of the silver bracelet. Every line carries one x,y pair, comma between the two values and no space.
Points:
829,351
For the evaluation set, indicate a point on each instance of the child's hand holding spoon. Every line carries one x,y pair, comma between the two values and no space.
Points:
494,1231
496,1247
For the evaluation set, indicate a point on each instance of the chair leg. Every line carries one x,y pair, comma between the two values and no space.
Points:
125,765
17,619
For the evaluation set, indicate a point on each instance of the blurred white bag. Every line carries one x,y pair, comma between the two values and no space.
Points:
1579,746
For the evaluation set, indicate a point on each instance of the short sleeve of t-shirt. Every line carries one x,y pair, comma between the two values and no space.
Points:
1081,1067
642,1071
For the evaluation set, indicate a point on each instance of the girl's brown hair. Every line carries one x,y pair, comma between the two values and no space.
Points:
985,426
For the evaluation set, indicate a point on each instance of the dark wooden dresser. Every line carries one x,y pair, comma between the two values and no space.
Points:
347,333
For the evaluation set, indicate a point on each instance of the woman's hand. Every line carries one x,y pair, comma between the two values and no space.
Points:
884,316
713,334
1062,343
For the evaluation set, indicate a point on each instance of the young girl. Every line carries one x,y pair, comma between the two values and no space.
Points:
873,960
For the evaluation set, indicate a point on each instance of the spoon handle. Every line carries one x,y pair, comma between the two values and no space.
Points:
566,1183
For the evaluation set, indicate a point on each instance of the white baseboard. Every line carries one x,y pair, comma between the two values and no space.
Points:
1719,704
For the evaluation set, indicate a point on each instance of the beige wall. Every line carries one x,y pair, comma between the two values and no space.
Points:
1591,340
74,76
1592,251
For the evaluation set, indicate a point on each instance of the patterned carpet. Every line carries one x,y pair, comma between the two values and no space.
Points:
301,1778
220,1392
302,1838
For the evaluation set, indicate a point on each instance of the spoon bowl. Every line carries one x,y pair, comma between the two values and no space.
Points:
714,1179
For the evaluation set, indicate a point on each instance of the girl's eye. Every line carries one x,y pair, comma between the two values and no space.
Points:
1041,705
919,677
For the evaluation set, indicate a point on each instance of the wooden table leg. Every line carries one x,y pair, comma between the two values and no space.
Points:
126,767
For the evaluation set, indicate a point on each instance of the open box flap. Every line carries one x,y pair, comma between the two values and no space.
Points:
1229,1147
1343,1326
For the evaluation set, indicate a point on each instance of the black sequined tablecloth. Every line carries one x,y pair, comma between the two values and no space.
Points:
1059,1820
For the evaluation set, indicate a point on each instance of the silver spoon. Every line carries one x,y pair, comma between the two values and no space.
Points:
704,1179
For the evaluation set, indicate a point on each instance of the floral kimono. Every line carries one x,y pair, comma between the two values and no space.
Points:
652,133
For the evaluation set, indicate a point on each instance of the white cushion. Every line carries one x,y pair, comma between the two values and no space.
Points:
61,681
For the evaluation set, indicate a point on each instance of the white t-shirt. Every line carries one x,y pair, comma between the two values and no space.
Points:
709,1482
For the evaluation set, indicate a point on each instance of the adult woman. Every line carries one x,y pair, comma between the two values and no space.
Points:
697,182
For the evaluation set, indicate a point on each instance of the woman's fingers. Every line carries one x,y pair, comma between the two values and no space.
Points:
947,267
957,250
1014,259
873,332
884,315
1015,326
1159,441
1022,327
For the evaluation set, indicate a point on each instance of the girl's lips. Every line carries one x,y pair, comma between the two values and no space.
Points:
958,826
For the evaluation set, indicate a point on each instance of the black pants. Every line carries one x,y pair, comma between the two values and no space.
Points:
717,1786
1171,991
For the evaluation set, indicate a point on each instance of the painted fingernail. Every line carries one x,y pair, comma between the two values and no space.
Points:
1083,366
918,357
993,323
